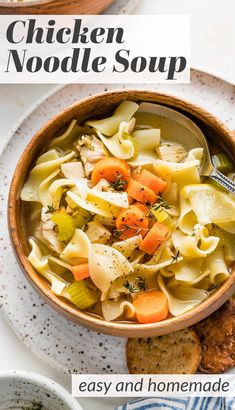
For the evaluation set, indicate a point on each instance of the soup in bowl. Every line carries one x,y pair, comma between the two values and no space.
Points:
113,222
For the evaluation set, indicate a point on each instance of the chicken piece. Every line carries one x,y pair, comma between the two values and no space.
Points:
111,222
102,185
136,171
172,152
46,233
91,150
97,233
73,170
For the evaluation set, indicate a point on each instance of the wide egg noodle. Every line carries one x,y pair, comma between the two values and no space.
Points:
187,219
128,246
147,141
78,247
188,270
41,265
44,194
183,299
47,156
105,265
113,310
210,204
118,199
98,206
101,203
167,258
68,137
39,173
109,126
118,145
200,244
57,188
217,267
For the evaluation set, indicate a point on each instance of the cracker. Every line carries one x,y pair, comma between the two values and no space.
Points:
176,353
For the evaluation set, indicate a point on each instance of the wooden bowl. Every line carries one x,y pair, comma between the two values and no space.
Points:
55,7
103,104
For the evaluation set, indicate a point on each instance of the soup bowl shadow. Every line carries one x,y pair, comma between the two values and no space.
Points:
102,105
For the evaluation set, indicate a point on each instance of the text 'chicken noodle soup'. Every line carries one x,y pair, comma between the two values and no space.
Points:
122,225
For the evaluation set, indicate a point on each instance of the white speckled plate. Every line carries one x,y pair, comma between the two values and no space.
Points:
121,7
59,342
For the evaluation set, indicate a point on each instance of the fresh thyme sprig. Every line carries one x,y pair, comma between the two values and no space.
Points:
119,184
141,283
50,209
129,286
138,285
118,232
175,257
160,203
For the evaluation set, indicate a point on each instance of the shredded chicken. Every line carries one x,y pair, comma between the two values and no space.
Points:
136,171
171,151
91,150
46,233
97,233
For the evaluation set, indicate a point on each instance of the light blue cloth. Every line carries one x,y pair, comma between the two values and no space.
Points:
193,403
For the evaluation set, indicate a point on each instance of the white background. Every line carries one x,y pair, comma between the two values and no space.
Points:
213,39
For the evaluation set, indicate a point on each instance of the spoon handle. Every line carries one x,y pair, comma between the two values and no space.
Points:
223,180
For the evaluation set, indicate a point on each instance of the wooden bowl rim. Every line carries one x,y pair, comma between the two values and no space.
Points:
26,3
124,329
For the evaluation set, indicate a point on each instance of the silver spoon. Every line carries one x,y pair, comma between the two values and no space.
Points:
179,128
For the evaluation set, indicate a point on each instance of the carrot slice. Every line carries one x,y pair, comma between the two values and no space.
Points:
154,238
80,271
152,181
141,193
132,221
111,169
151,306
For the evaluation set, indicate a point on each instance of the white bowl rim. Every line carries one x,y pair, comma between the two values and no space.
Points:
42,381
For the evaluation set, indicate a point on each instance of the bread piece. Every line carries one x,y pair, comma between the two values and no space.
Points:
176,353
217,337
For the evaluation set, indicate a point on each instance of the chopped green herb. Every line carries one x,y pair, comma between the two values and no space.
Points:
137,286
136,229
141,283
129,286
117,234
175,257
222,162
34,406
119,184
160,203
50,209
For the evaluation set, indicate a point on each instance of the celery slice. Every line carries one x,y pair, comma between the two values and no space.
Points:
159,213
66,225
82,217
170,223
222,162
162,216
80,295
